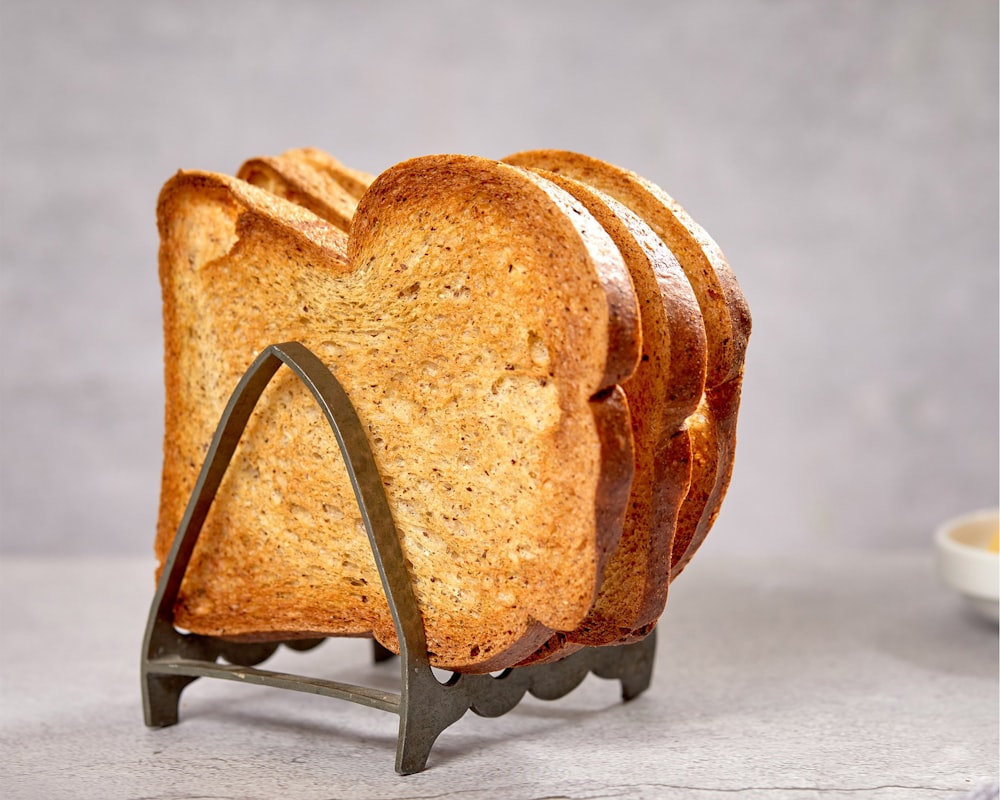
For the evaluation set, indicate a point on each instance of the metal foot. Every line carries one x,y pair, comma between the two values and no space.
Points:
161,697
413,748
427,710
637,667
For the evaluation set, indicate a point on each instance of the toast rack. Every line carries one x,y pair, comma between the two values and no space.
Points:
426,706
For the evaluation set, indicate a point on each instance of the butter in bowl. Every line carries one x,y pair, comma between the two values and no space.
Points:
968,560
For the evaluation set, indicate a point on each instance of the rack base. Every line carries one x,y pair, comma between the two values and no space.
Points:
425,706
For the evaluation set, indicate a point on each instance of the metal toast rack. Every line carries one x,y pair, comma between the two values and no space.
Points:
426,706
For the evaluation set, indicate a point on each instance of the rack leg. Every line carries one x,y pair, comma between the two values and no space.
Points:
161,697
413,750
427,708
637,670
417,734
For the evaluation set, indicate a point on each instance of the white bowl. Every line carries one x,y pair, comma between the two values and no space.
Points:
967,564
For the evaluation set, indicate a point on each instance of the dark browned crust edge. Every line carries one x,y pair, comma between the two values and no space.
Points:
726,365
724,404
670,467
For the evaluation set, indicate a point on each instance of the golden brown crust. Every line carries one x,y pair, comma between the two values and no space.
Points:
707,454
611,419
727,321
724,406
224,239
727,316
664,390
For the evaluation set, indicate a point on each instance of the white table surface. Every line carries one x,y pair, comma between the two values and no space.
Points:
848,676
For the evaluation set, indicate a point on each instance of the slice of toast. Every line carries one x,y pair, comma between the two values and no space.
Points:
295,176
481,322
727,324
664,391
354,181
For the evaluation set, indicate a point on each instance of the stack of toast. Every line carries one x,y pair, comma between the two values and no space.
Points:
547,354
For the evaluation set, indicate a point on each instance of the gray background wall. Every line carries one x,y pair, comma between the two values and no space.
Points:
844,154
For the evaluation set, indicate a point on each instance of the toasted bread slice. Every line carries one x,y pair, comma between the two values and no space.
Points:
297,178
664,391
481,322
354,181
727,324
